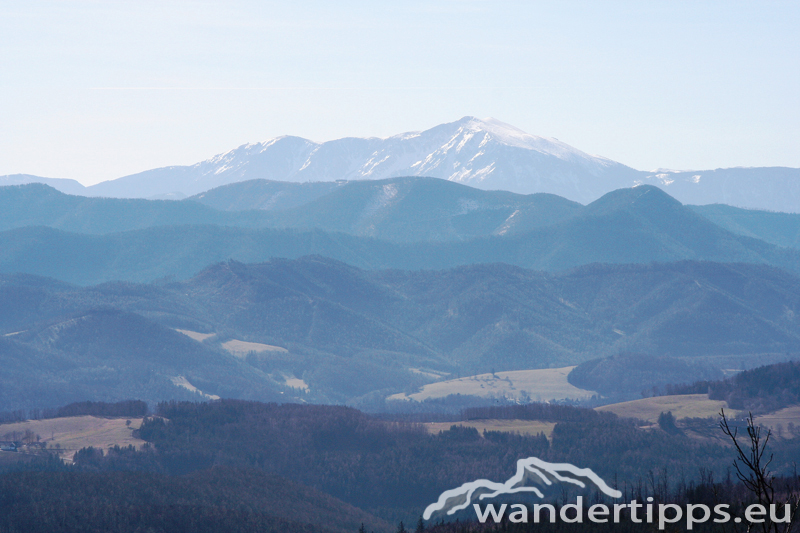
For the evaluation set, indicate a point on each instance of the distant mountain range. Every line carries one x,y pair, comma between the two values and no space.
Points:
398,209
486,154
359,335
435,228
357,290
402,210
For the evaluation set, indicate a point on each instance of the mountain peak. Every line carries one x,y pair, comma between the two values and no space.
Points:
641,198
484,153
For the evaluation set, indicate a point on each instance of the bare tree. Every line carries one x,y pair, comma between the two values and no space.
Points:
752,469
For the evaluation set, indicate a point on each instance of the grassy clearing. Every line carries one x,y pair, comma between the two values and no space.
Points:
235,347
240,349
533,385
433,374
70,434
778,422
681,406
180,381
523,427
294,382
199,337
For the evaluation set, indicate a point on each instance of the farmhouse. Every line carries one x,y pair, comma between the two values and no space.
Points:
7,446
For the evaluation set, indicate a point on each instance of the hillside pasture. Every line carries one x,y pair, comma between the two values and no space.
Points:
290,380
240,349
681,406
69,434
181,381
196,335
784,423
539,385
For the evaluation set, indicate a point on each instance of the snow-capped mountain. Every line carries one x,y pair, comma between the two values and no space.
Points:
487,154
772,188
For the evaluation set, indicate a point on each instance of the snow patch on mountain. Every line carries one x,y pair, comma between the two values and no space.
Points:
483,153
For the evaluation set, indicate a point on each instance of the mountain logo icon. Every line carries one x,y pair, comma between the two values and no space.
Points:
532,473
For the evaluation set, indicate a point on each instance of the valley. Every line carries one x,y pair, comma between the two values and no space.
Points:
264,268
360,346
358,336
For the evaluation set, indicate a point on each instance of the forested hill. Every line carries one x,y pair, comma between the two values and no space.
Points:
222,452
211,501
40,205
759,390
353,334
639,225
398,209
782,229
407,209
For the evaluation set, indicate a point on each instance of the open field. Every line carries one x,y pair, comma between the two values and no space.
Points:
681,406
235,347
241,348
533,385
72,433
181,381
428,373
200,337
779,422
523,427
294,382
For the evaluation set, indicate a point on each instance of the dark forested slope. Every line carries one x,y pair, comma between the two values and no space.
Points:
107,355
350,332
219,499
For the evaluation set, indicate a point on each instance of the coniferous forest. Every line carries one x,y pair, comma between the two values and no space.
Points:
247,466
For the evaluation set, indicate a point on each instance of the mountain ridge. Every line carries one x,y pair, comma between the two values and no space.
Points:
398,209
433,152
638,225
483,153
406,209
355,335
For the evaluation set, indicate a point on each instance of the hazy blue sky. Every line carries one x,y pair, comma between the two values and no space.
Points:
94,90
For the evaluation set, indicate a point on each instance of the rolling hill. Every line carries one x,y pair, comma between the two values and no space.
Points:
355,335
423,209
638,225
41,205
399,209
782,229
111,354
267,195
